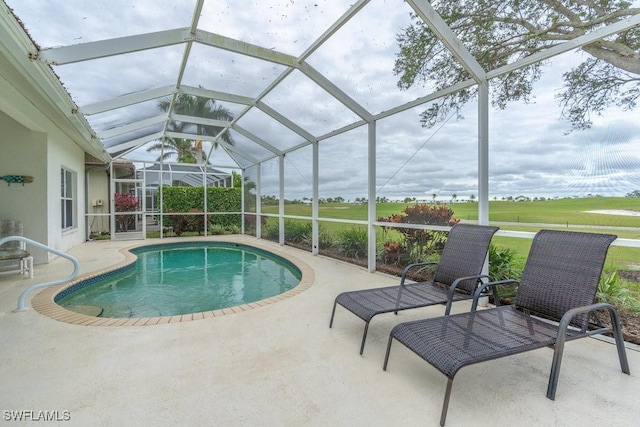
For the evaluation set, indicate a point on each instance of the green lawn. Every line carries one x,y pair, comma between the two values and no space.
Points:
561,211
521,216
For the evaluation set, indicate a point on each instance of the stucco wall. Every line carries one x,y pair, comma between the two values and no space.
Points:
24,152
62,152
38,204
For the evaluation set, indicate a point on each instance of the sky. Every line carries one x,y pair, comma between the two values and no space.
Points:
532,152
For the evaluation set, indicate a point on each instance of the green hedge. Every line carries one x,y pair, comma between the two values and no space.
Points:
191,199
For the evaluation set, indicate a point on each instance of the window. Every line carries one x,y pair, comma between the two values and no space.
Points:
67,180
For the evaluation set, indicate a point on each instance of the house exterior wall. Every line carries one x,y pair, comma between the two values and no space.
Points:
62,152
38,204
98,189
37,148
24,152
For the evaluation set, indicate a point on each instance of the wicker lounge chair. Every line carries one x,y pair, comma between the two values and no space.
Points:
457,275
553,304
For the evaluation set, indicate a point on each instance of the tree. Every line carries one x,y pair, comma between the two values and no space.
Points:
498,32
635,193
183,149
191,105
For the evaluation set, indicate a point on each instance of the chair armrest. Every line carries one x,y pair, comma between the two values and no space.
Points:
454,286
456,282
566,319
410,266
480,292
561,338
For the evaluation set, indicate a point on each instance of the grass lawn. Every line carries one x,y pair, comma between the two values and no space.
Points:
561,211
521,216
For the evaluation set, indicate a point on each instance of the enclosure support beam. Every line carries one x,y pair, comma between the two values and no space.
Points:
258,202
242,201
371,229
315,210
205,208
483,165
281,201
483,153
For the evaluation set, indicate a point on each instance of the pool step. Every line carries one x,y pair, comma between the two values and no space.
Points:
89,310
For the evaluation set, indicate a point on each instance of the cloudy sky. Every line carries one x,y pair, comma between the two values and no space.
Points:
531,152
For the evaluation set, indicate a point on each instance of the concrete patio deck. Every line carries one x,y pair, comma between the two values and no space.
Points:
281,365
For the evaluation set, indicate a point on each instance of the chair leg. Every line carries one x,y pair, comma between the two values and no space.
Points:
30,264
445,404
386,356
555,367
364,337
333,313
617,334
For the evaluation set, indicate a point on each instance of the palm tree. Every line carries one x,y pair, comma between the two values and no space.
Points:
191,105
181,148
188,151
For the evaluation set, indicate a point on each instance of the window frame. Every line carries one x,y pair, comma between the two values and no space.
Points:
68,199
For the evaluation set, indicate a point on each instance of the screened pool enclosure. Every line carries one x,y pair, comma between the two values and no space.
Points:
292,101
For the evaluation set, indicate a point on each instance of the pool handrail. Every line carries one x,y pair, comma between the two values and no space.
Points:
76,268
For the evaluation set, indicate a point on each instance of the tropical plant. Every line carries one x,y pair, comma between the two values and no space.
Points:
352,242
504,263
499,32
612,290
182,223
298,231
190,151
125,202
196,106
184,150
394,253
420,244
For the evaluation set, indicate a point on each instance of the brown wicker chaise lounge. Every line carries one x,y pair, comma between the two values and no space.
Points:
457,275
553,304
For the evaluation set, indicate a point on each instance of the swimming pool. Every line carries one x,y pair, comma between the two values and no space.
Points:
180,278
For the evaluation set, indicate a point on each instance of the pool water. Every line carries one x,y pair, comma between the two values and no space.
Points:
169,280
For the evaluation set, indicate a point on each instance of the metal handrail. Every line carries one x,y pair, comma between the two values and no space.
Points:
76,268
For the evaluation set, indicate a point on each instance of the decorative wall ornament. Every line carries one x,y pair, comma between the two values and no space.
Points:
17,179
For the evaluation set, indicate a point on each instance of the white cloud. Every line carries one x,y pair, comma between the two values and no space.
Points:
531,152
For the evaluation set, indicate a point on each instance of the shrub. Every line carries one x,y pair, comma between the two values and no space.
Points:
298,231
125,202
185,223
503,263
250,223
612,290
217,229
271,232
394,253
420,244
352,242
191,199
325,238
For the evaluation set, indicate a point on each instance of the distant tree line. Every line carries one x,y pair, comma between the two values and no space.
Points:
273,200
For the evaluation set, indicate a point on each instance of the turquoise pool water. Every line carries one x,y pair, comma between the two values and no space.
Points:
174,279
